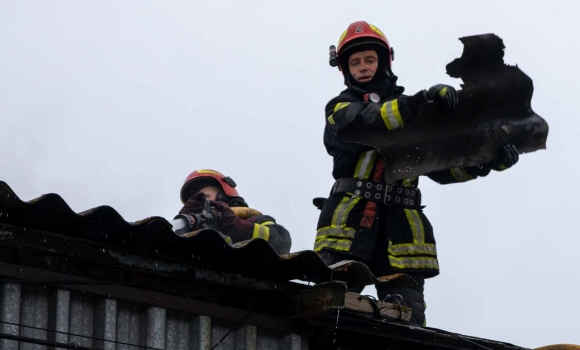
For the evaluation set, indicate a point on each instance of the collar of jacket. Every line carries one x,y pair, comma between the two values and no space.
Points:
386,88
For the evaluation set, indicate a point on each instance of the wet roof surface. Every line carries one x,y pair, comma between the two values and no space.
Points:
104,225
50,213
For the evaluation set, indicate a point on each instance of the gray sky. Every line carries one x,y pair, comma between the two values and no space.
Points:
115,102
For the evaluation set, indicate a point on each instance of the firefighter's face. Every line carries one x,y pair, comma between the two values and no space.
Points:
210,192
363,65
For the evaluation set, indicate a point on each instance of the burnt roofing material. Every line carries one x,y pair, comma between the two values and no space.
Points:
494,110
50,213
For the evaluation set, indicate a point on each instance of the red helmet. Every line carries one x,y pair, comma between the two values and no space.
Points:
207,177
361,36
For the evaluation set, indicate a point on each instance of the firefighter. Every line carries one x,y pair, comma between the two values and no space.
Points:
234,219
388,232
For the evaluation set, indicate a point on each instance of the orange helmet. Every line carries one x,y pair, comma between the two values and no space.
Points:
207,177
360,36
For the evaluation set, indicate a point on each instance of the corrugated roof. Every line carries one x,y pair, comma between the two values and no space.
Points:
44,229
50,213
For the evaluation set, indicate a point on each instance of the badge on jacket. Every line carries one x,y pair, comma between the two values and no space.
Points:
374,97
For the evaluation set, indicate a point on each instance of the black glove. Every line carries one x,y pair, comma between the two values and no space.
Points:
194,204
204,213
237,228
199,213
445,94
508,157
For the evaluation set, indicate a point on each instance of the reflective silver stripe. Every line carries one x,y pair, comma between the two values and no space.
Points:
363,168
416,224
460,174
343,232
412,249
414,262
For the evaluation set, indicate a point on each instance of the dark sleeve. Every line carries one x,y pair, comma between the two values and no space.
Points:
455,175
265,227
389,115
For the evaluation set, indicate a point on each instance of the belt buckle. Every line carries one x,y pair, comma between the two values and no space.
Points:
387,194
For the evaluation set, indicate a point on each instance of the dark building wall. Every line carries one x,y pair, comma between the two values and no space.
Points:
100,322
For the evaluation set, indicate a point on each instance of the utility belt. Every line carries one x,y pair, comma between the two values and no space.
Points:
380,192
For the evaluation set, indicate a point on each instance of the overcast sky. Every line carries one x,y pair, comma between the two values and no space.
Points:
116,102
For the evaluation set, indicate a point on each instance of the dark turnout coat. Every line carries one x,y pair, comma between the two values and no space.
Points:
237,229
265,227
405,234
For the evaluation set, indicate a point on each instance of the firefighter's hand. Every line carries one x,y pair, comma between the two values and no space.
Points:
227,215
508,157
194,204
237,228
445,94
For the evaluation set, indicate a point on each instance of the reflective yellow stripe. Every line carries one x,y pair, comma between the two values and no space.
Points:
377,30
418,262
416,224
342,37
460,174
343,210
207,171
336,244
229,240
343,232
391,115
261,232
340,106
327,237
412,249
442,92
408,182
267,223
502,167
366,162
338,211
